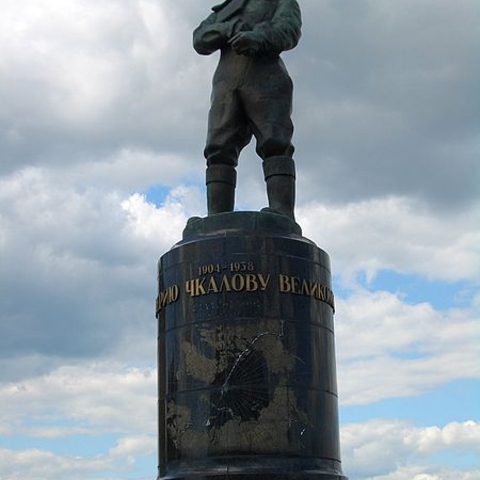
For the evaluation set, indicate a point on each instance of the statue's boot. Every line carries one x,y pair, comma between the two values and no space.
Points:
221,182
280,177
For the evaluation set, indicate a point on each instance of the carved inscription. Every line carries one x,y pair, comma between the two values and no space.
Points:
167,297
210,268
309,288
235,277
249,282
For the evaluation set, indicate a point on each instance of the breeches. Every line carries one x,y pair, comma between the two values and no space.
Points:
256,101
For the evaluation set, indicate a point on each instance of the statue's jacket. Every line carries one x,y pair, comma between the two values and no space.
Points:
277,24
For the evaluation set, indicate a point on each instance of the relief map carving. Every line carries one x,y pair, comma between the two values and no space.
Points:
247,404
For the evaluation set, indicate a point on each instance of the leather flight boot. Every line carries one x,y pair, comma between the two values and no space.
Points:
280,178
221,181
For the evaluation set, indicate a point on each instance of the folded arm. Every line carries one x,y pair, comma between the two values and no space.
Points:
273,36
284,30
211,35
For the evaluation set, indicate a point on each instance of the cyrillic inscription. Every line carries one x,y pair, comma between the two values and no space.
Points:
167,297
309,288
248,282
211,280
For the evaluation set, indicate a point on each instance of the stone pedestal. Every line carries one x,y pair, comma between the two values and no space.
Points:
247,382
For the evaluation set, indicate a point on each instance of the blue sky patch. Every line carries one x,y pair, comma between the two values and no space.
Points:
455,401
417,289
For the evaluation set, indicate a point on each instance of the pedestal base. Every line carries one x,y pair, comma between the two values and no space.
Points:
257,468
253,475
247,381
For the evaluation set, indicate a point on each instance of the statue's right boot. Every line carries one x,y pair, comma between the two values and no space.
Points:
280,178
221,182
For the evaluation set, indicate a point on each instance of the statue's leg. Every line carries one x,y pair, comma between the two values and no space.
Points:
228,133
268,102
228,126
221,182
280,178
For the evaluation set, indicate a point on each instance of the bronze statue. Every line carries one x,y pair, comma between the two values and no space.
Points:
251,95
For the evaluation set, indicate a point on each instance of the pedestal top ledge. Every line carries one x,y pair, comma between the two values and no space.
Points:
244,223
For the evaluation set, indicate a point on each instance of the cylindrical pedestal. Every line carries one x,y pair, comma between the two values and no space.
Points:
247,382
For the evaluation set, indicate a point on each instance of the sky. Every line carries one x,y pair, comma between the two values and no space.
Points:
103,109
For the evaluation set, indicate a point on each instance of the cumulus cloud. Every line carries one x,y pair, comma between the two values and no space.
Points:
43,465
83,77
378,334
418,473
79,267
386,101
396,233
130,170
82,402
135,446
457,435
396,450
149,223
91,398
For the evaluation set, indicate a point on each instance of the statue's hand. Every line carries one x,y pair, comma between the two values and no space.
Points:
245,43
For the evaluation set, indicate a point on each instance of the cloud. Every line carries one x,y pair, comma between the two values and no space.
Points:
82,78
457,435
128,171
385,101
419,473
396,233
79,403
396,450
135,446
149,223
378,334
90,399
78,269
43,465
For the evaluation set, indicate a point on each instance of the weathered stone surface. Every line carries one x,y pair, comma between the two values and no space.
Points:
247,382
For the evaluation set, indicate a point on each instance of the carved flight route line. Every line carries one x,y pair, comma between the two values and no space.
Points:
245,282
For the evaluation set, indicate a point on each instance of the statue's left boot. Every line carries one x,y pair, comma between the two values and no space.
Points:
221,181
280,178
